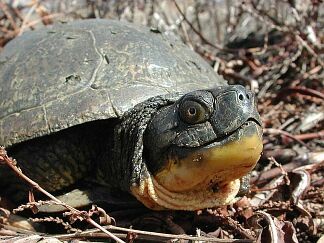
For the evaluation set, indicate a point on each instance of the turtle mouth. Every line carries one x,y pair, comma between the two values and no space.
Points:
216,163
228,137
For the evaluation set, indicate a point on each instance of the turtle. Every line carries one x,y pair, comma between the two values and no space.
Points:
128,108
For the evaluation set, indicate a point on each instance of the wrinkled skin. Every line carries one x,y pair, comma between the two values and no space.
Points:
197,148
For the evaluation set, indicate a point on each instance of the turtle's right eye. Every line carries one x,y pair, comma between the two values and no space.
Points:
192,112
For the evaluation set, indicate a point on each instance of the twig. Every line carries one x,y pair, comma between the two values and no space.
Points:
44,18
4,8
237,76
287,134
219,47
301,90
309,49
26,19
68,227
270,174
160,235
307,136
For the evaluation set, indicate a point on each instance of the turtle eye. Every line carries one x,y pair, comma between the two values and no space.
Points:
192,112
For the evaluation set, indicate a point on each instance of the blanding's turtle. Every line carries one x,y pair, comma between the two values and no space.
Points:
128,107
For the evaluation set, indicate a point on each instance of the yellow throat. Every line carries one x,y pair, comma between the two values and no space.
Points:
207,177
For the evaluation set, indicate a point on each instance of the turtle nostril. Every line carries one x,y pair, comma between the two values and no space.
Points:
241,97
248,96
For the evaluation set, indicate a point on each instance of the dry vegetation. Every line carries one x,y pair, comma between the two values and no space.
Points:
273,47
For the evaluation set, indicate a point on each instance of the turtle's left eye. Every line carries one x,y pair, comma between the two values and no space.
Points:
192,112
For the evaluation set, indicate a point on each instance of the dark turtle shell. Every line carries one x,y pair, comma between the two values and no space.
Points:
72,73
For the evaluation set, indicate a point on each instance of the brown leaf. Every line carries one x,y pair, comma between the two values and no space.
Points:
274,230
243,207
300,182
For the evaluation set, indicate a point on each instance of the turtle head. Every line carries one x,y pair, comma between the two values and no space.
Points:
198,148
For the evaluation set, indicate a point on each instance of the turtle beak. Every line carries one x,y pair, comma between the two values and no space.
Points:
234,106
